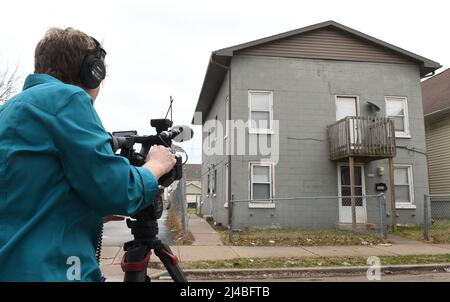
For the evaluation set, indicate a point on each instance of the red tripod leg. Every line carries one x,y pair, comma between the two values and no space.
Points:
135,270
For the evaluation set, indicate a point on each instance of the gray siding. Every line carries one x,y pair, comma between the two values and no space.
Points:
327,43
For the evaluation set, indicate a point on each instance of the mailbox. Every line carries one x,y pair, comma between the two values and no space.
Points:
380,187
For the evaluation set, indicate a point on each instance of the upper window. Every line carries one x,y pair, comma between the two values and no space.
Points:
261,183
397,109
261,111
403,180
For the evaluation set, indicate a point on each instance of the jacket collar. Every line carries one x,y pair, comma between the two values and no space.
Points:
39,78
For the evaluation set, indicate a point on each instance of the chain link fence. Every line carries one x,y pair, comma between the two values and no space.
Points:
178,204
316,212
437,218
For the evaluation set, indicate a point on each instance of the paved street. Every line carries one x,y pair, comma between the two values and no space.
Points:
116,233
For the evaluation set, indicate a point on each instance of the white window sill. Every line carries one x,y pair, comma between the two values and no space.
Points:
402,135
261,205
260,131
405,206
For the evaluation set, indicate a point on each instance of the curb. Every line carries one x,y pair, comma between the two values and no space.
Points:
304,272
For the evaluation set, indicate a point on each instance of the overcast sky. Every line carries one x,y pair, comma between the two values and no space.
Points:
158,49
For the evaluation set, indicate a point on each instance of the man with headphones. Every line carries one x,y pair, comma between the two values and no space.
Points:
58,174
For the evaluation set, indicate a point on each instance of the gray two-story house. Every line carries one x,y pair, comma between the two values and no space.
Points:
338,111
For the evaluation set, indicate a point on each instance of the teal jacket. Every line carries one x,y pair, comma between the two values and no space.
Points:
58,178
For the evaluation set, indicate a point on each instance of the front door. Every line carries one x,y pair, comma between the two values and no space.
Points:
345,203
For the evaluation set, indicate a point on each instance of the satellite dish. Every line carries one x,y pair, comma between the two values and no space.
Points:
373,106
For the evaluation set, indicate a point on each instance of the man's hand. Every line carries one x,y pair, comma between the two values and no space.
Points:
160,161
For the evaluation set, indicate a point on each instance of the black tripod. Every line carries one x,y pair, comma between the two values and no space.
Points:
138,251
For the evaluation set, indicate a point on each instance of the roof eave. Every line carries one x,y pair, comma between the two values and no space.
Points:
215,73
437,114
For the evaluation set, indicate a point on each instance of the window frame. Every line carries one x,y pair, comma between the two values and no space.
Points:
225,193
400,134
214,183
208,182
260,130
262,204
227,118
411,204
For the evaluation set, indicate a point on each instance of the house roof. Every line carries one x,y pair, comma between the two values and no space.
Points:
436,94
220,59
193,185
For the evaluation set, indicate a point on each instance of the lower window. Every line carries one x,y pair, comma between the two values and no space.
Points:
261,182
403,180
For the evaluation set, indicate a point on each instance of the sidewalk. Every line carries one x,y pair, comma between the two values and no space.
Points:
203,233
208,246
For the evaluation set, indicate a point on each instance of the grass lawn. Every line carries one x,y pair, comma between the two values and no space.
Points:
313,262
300,237
439,231
191,211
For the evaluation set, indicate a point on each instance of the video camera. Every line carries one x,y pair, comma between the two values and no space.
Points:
125,141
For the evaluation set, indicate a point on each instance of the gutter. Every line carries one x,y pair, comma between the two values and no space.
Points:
437,113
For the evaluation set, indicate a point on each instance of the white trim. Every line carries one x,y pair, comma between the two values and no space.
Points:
214,184
271,179
225,193
402,205
363,189
258,130
411,204
227,117
261,205
406,133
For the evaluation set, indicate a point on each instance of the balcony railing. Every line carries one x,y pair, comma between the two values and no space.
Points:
369,138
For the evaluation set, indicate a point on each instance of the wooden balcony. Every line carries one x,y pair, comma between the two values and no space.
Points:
362,137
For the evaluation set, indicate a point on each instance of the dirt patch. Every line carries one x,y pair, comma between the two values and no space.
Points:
176,228
299,237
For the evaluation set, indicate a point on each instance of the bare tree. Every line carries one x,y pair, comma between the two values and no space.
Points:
8,83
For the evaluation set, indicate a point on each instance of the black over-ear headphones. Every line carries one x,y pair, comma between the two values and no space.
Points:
93,71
